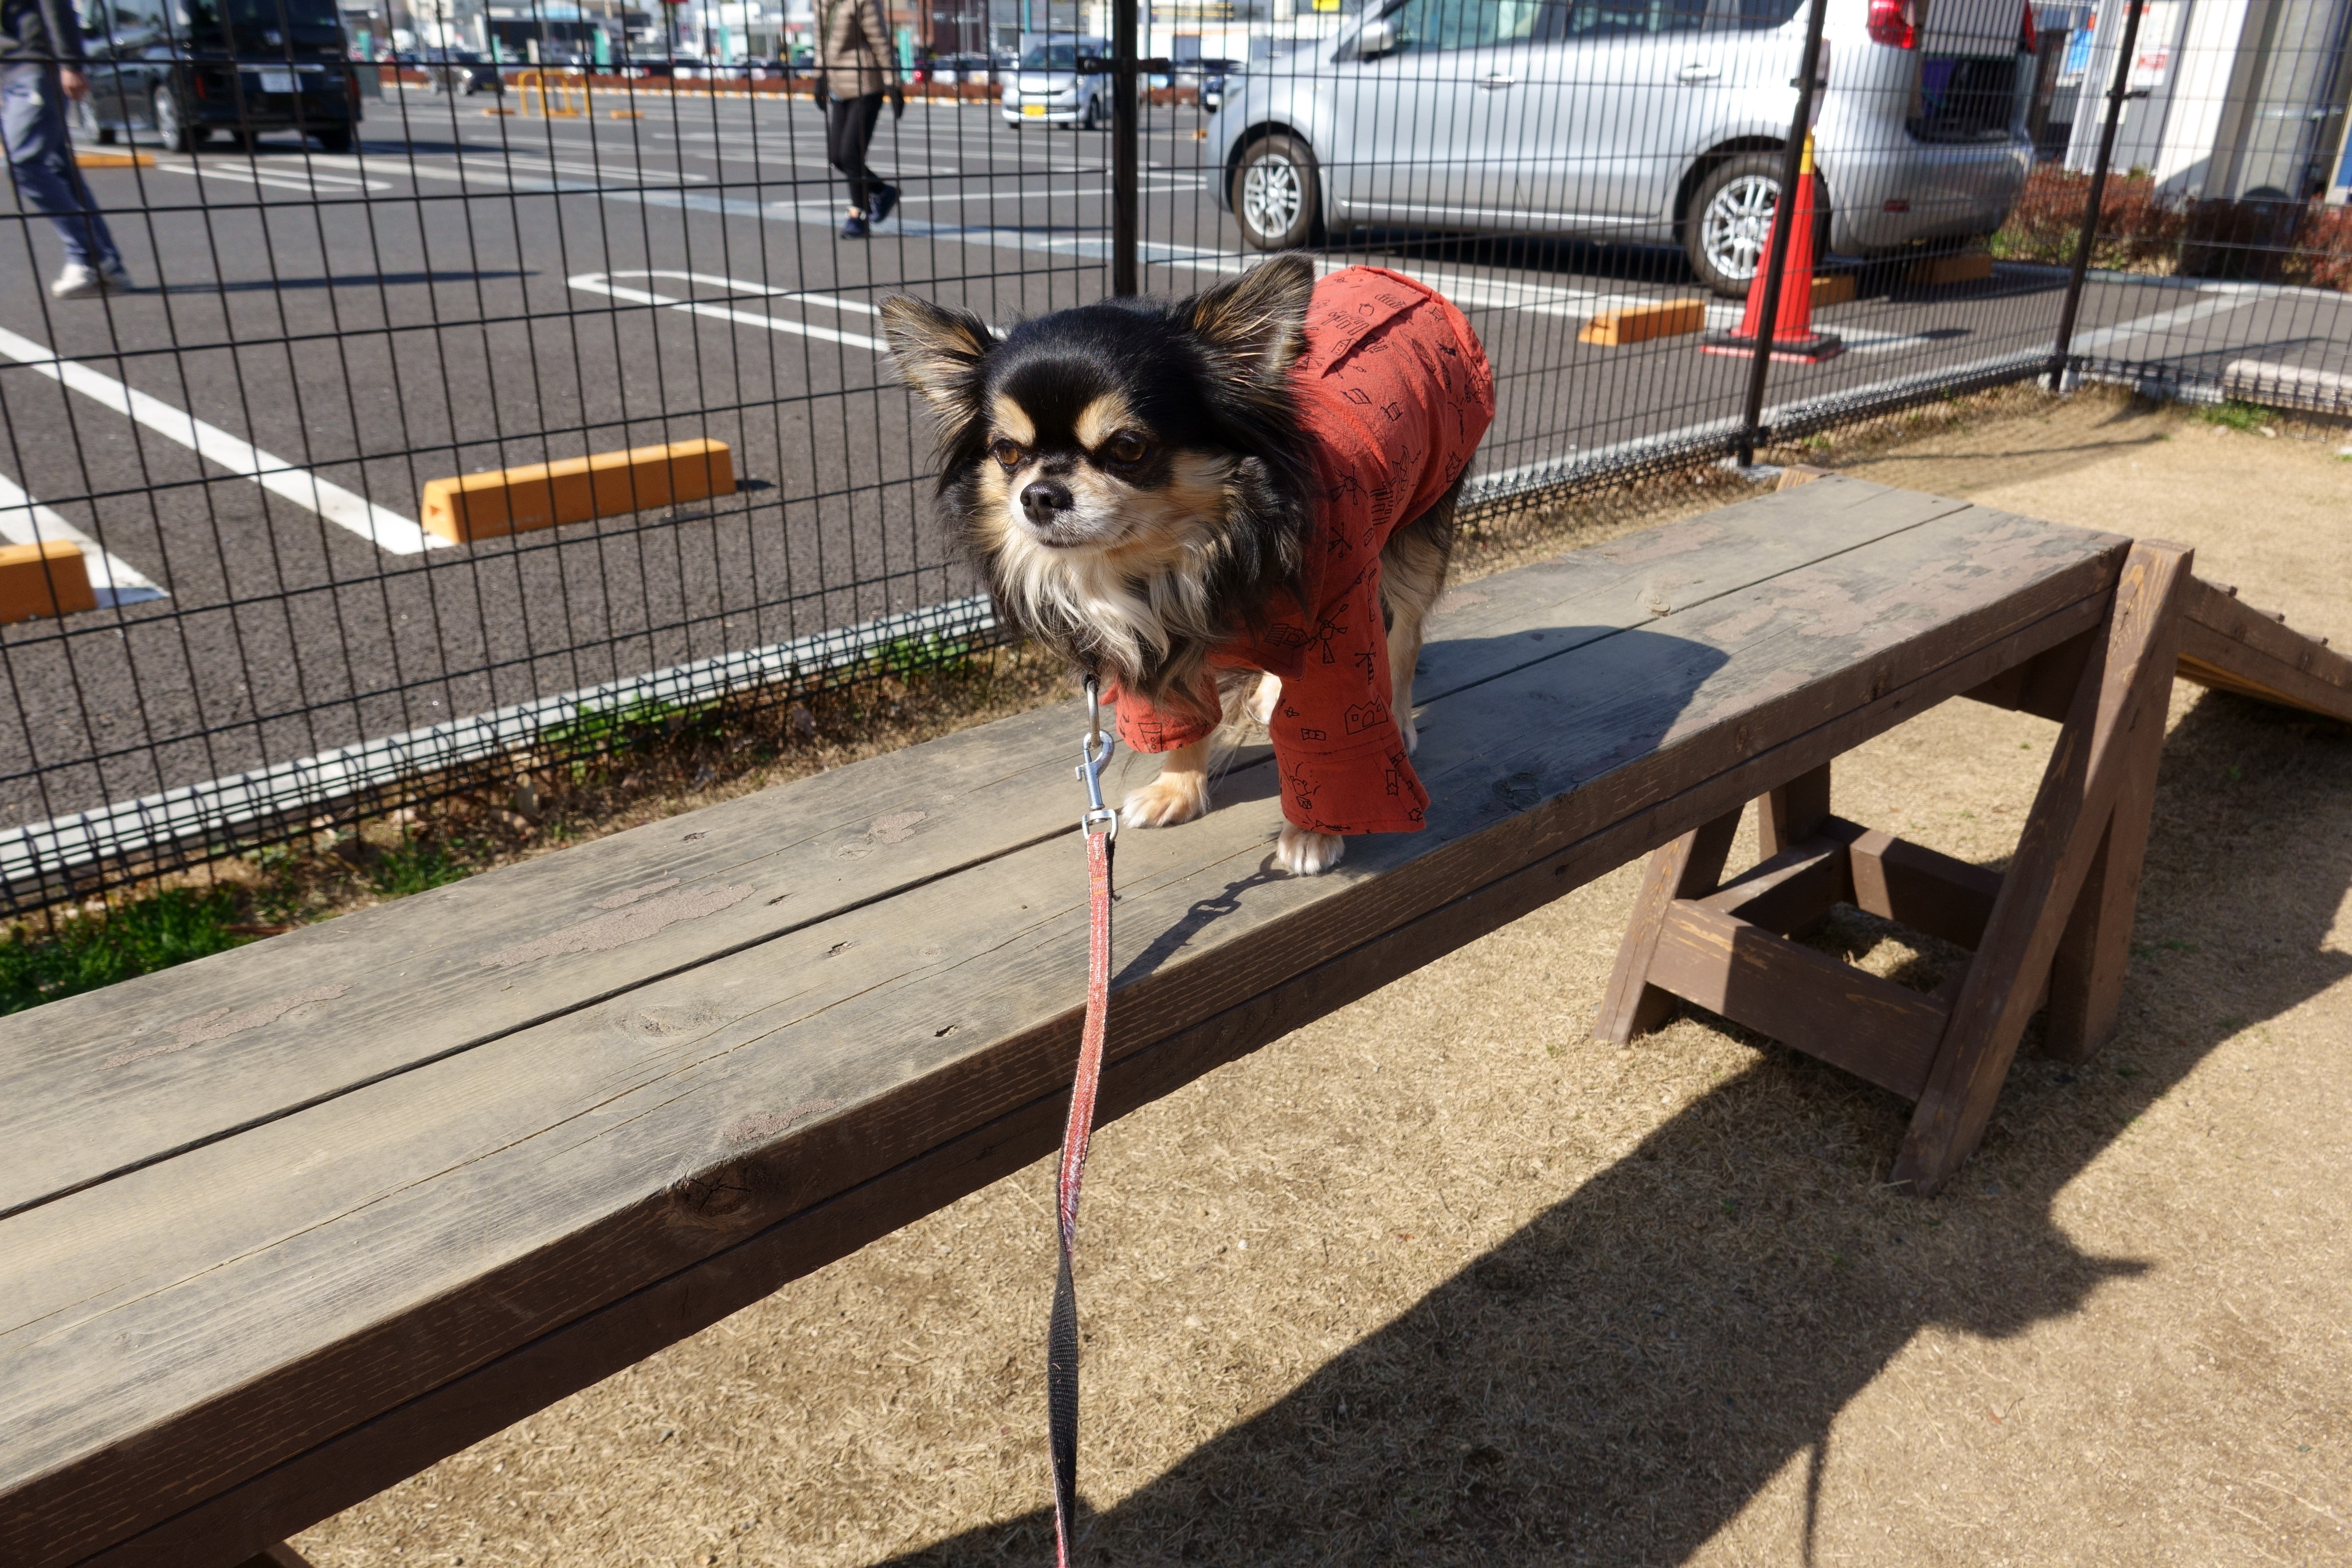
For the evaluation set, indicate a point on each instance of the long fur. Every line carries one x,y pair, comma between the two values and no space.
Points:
1175,553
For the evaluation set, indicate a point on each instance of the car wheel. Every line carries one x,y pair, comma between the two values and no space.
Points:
170,130
336,141
1092,117
1275,194
1730,221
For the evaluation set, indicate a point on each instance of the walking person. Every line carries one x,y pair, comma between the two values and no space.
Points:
855,69
41,72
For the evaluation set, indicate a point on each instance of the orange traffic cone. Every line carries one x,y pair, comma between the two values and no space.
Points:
1793,337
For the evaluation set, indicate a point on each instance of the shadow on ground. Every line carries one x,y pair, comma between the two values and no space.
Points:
1618,1381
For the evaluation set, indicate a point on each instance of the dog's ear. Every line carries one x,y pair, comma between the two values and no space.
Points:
1254,326
939,351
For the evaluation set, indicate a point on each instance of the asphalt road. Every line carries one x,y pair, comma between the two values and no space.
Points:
317,336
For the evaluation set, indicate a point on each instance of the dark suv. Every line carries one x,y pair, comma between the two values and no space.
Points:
184,69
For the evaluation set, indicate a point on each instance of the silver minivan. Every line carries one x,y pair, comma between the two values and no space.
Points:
1061,80
1637,120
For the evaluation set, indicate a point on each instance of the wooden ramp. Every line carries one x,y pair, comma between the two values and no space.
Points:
282,1227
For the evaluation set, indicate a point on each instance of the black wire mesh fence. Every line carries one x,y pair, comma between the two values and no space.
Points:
556,233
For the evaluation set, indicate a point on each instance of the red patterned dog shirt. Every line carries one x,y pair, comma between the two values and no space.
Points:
1393,393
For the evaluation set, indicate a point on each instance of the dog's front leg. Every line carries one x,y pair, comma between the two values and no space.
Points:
1180,794
1303,852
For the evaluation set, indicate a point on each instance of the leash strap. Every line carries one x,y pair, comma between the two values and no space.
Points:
1099,827
1062,1335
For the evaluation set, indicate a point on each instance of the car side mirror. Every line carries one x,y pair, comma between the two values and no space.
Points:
1376,38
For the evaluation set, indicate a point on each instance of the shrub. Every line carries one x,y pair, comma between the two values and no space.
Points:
2142,231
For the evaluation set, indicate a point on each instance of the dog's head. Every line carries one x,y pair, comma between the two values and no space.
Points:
1112,429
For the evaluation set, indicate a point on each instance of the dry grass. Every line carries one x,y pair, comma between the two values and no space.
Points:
1439,1279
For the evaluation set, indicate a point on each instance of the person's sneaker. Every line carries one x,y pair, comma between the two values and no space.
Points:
81,281
78,282
884,197
853,227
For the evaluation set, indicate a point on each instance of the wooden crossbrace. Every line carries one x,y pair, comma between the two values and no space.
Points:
2053,931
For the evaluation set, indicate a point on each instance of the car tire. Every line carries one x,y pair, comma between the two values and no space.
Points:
1277,194
171,129
1730,221
336,141
1092,118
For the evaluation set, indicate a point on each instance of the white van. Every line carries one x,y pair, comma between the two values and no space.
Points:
1645,120
1061,80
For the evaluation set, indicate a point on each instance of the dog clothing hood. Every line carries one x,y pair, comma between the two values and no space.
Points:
1393,393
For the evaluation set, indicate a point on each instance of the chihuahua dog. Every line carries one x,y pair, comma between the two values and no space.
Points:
1241,499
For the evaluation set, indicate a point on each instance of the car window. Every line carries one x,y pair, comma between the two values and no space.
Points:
1427,25
1620,18
131,19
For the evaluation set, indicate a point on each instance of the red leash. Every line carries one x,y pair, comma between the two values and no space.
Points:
1099,827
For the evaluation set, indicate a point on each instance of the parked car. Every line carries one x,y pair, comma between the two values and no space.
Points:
951,70
1631,121
1214,75
455,71
1061,81
182,69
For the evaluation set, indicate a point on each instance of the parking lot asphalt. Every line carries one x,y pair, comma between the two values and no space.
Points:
315,337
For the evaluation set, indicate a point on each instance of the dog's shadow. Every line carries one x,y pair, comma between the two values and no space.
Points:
1621,1377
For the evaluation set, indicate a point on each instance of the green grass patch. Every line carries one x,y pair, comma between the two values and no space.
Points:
2249,417
416,865
86,952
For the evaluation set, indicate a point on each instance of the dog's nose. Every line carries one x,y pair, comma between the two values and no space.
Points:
1042,500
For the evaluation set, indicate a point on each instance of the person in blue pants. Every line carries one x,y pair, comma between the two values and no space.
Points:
40,73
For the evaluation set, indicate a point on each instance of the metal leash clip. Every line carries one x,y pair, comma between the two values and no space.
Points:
1096,751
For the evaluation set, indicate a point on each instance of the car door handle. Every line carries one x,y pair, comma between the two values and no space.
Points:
1498,83
1694,74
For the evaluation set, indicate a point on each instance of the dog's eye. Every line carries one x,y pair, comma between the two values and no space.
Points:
1008,453
1126,447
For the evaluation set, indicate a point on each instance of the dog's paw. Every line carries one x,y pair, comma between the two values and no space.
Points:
1411,731
1167,800
1306,853
1260,707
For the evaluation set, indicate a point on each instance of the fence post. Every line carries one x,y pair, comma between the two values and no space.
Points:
1776,256
2063,348
1125,179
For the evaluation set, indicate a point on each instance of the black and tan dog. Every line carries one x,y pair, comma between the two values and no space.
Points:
1260,479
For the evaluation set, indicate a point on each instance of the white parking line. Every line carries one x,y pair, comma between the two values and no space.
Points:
601,283
290,178
385,529
23,520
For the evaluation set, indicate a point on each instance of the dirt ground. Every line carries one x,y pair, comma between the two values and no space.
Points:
1439,1279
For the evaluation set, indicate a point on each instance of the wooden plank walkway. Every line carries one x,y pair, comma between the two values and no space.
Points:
280,1227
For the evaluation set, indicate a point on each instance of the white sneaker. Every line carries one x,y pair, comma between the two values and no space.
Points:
78,282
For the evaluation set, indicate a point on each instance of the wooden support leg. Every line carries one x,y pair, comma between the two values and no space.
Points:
1689,867
278,1556
2124,694
2086,978
1794,811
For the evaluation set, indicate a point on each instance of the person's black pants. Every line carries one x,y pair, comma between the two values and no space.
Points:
849,128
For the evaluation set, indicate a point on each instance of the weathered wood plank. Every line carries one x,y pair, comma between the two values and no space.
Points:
1849,1017
2227,643
103,1083
590,1156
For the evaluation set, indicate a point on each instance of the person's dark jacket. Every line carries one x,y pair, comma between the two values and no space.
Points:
39,31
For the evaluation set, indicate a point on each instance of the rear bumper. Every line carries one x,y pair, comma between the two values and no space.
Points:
1943,191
